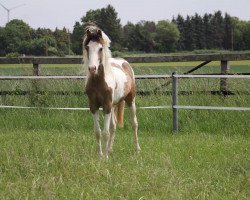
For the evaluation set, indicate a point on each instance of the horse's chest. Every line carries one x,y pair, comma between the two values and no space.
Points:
99,92
109,90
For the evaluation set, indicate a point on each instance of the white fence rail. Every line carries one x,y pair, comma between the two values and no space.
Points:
175,107
75,77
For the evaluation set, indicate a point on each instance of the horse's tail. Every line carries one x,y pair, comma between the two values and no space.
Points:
119,113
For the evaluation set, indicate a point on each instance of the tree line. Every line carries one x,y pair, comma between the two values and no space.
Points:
210,31
17,37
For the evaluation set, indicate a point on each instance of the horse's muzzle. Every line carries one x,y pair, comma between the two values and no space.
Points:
92,69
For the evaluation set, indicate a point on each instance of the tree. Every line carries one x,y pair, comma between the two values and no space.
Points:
77,38
198,32
45,39
62,40
188,34
16,34
242,35
3,44
106,19
179,21
218,30
228,32
207,31
129,37
139,37
167,36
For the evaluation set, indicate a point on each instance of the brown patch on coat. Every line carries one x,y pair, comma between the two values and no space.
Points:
98,92
130,84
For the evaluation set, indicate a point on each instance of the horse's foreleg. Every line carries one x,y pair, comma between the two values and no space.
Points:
134,125
107,119
98,133
112,130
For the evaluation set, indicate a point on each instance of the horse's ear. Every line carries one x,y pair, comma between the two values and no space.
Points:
88,32
99,33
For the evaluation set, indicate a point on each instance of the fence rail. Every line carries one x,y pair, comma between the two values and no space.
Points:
211,76
136,77
75,77
135,59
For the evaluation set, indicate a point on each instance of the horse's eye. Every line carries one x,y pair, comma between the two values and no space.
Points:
100,50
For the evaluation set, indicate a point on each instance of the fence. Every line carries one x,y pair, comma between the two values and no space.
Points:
223,58
175,107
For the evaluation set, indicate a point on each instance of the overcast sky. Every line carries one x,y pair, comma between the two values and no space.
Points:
60,13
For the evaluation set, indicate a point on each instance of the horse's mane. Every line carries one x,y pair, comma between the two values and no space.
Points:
94,30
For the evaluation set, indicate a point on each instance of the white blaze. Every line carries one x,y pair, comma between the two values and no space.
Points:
94,48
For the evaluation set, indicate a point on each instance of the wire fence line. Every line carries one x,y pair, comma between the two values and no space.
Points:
75,77
174,79
136,77
211,76
80,109
143,107
211,108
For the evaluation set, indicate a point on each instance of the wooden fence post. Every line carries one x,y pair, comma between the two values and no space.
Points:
35,84
36,69
175,102
223,81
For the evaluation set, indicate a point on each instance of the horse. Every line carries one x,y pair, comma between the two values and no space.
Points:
110,84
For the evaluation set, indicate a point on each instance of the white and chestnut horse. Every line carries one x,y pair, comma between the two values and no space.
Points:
110,83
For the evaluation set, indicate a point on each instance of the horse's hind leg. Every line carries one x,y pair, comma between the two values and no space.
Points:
112,129
134,124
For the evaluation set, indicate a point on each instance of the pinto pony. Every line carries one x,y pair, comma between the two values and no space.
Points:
110,83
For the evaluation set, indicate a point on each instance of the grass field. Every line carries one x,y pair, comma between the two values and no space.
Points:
47,154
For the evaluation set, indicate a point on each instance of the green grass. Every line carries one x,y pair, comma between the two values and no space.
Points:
52,154
63,165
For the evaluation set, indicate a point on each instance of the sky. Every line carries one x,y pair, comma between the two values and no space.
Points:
64,13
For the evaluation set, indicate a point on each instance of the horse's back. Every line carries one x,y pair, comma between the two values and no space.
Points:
123,65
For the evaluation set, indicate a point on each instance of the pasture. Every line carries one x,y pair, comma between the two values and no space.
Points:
47,154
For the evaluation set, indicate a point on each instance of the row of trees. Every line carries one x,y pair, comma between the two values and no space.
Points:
19,38
144,36
210,31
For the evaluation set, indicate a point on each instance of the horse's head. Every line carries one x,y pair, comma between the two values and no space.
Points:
95,45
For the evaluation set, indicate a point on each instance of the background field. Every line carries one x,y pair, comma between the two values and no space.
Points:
51,154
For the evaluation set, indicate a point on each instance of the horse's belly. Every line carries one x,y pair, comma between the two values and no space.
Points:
118,94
